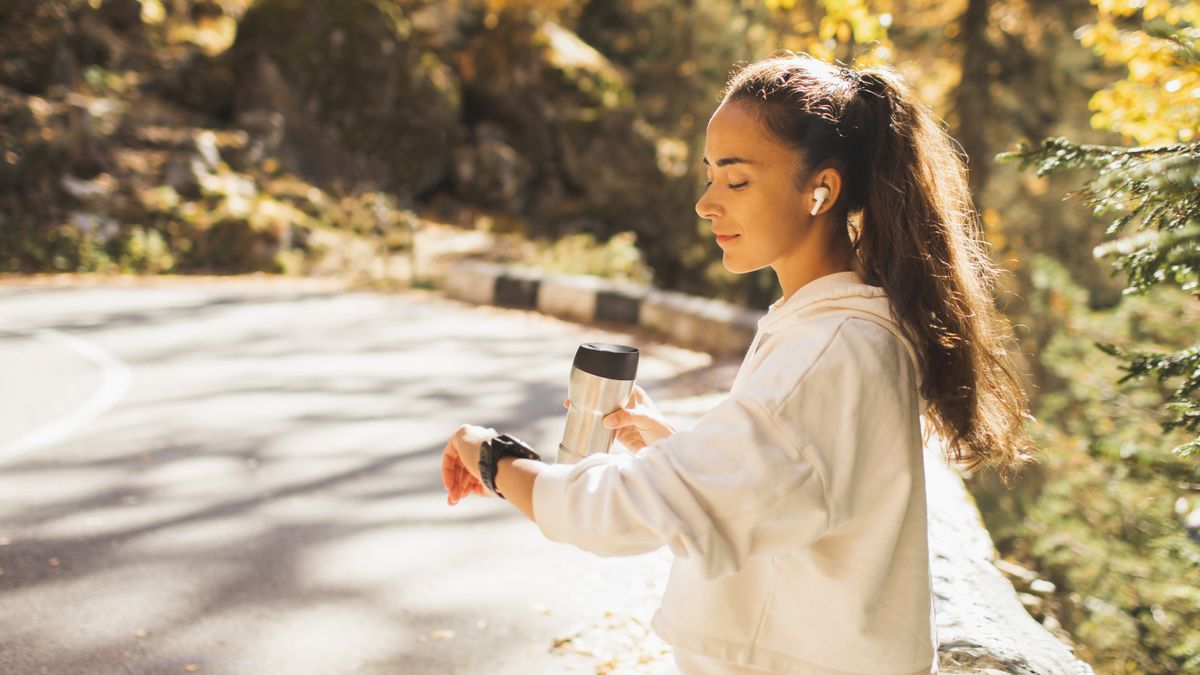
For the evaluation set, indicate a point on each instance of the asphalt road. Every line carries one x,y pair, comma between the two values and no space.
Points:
242,476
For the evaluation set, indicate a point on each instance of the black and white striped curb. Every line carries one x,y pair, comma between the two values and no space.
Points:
714,326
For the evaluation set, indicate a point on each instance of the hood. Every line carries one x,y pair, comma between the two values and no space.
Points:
838,294
832,292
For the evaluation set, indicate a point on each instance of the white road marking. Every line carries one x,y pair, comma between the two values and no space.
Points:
114,382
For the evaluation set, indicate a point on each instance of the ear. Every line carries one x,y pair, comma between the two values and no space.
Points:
829,178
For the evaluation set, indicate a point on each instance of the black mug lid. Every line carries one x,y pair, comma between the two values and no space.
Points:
615,362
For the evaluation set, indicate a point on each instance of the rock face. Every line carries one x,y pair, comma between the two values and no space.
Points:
982,625
504,112
361,101
569,113
40,43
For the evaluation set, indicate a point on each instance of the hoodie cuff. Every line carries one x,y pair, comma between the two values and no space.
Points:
550,497
549,501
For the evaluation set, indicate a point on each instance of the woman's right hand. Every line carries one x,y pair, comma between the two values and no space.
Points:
639,423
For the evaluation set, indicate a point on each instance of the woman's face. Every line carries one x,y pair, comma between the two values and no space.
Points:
752,192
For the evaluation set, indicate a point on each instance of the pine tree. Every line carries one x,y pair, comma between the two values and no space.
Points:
1154,191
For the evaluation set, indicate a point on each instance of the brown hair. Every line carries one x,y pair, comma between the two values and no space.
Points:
914,233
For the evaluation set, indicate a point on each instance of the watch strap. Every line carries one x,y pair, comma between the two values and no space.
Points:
496,448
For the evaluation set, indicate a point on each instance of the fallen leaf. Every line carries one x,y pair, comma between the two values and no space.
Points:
141,632
191,667
145,457
443,634
53,562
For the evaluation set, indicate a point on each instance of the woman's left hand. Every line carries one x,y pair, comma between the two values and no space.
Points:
460,463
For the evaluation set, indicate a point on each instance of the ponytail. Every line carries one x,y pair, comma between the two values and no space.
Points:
914,233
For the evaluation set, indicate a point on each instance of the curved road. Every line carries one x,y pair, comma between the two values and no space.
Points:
242,476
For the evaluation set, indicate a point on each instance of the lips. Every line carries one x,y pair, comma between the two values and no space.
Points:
722,238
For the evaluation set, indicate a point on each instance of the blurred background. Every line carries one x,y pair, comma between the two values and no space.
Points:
334,137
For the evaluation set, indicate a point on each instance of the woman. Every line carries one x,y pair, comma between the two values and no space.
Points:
796,507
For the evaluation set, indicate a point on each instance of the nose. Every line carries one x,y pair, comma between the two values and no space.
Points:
707,207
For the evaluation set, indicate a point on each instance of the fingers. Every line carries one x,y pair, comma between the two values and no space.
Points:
464,478
466,485
457,478
631,439
449,460
634,417
456,485
454,474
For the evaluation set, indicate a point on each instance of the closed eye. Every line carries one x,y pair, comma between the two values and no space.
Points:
737,186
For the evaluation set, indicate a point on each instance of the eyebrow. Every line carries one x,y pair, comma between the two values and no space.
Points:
726,161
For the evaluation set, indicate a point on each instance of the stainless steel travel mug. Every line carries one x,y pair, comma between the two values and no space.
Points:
601,381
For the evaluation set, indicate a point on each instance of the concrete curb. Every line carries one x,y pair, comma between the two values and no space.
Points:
714,326
982,626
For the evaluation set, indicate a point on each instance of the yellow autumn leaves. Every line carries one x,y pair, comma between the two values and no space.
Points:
1158,101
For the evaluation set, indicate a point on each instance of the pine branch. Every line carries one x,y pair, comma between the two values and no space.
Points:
1183,40
1156,189
1154,237
1060,154
1183,401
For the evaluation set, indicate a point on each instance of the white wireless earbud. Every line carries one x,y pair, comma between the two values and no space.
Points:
820,194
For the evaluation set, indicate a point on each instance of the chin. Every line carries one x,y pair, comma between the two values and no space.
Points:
735,267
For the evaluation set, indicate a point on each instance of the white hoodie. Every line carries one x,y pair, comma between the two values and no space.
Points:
795,508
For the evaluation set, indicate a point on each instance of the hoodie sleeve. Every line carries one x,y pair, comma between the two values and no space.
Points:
737,484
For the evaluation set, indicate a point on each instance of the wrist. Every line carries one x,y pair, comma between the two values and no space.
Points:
495,450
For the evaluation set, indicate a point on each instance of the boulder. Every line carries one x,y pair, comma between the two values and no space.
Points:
491,171
31,32
570,114
122,15
362,102
237,244
200,82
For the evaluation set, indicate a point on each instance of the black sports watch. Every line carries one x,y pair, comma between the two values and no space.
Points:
490,452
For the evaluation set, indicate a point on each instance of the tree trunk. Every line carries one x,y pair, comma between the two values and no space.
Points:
972,99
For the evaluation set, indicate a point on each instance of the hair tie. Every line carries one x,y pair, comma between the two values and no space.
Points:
872,83
853,75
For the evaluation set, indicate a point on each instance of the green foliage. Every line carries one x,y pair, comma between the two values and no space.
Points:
1156,189
1155,240
617,258
1104,524
1106,531
145,252
1092,407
